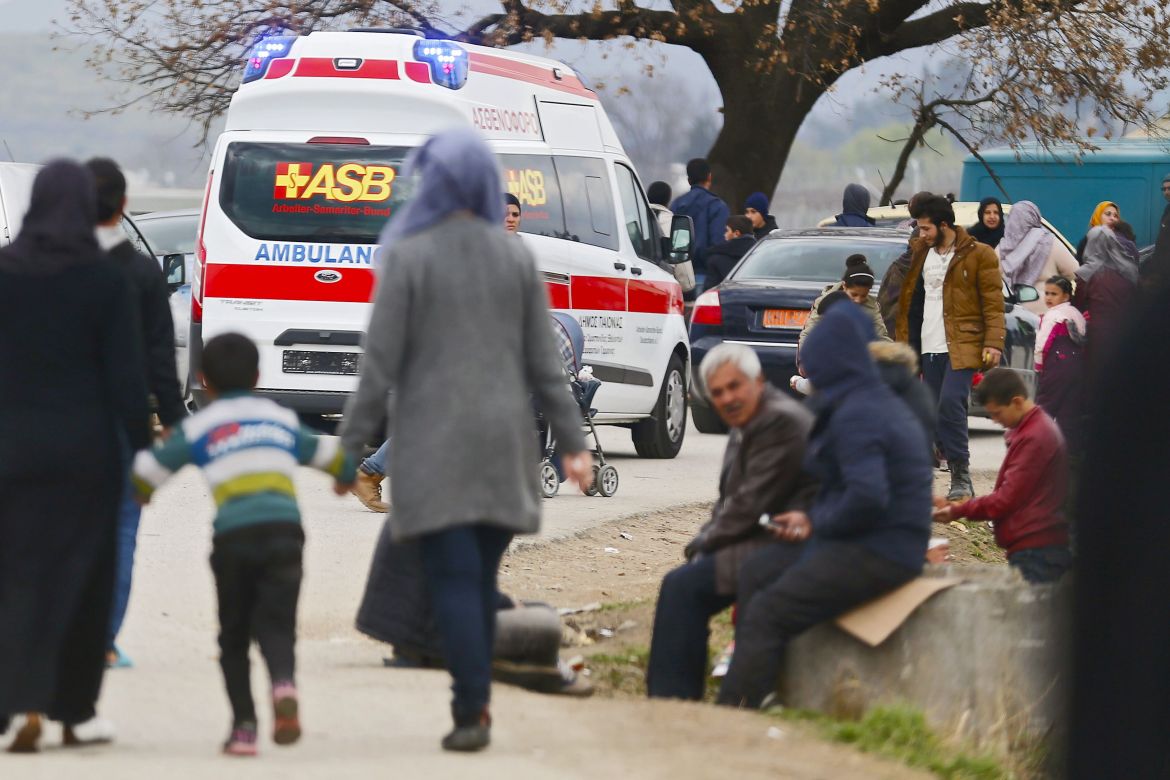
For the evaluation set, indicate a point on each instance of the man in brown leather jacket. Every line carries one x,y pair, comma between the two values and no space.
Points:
762,474
951,311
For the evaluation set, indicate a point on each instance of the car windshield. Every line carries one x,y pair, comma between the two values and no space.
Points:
170,235
815,259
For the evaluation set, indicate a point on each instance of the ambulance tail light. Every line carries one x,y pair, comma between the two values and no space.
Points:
707,311
200,259
339,139
264,51
448,61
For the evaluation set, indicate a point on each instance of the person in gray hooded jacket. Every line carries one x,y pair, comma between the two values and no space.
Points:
459,334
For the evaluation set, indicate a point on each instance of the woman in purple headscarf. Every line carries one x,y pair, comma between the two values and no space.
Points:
1029,252
459,326
72,386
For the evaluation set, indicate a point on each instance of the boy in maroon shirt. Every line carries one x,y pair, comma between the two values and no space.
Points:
1027,505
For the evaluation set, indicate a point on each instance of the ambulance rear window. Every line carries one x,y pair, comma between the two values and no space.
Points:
327,193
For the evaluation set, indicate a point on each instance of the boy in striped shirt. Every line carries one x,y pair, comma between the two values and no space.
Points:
249,449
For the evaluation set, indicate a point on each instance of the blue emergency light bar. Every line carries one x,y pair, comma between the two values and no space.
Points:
264,52
448,61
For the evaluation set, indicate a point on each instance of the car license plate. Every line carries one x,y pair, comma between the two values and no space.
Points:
785,318
305,362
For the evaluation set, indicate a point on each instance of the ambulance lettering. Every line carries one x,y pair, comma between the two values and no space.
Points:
506,121
315,254
346,183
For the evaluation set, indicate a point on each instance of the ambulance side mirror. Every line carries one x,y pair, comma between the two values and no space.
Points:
175,270
678,247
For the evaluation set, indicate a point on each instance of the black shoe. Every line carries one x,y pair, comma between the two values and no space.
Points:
469,737
961,485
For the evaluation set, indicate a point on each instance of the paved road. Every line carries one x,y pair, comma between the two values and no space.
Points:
366,721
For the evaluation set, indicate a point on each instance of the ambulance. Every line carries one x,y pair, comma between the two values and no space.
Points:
310,167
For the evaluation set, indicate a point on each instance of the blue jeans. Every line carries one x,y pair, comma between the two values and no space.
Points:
951,389
461,566
678,647
376,463
1040,565
129,515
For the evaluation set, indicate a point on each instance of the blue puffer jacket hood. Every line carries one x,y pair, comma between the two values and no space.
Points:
855,207
836,355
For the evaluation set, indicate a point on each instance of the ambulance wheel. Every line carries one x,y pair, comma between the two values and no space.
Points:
607,481
591,490
550,482
661,435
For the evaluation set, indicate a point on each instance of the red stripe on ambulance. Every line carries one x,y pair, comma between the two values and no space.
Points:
531,74
599,293
655,297
287,283
324,67
356,285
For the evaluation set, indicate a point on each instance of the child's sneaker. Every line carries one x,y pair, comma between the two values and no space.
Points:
287,726
242,741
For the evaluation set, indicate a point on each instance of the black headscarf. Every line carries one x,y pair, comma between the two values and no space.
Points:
58,230
981,232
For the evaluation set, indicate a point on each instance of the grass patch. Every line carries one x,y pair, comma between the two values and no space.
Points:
901,733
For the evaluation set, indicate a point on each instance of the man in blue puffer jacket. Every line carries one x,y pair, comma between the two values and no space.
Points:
869,525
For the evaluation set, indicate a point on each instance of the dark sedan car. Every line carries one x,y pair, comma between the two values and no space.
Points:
765,301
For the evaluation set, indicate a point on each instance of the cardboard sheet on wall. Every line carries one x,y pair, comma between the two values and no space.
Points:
874,621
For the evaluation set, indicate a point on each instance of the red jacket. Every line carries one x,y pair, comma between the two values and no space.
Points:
1027,505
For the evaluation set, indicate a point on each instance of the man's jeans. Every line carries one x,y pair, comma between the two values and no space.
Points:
827,581
129,515
678,647
951,389
376,463
1042,565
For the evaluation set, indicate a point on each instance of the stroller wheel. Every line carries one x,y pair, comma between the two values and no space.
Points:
607,481
550,482
592,489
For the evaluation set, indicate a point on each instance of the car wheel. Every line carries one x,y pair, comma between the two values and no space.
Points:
661,435
707,420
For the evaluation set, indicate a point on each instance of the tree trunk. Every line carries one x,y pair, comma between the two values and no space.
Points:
761,117
921,126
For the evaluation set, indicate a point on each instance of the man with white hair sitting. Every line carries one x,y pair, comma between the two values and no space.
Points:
761,474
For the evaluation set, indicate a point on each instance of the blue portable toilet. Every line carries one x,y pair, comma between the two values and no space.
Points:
1128,172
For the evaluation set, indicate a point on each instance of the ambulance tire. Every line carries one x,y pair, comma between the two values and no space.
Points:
661,435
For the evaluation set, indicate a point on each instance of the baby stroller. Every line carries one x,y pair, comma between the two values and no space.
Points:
571,342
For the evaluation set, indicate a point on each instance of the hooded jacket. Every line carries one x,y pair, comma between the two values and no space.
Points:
973,315
709,214
867,449
854,208
721,258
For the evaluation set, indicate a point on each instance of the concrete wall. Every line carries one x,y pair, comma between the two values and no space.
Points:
985,661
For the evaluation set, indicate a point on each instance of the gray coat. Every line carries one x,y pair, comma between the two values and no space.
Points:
461,333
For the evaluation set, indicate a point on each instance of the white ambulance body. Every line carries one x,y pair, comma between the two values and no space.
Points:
307,172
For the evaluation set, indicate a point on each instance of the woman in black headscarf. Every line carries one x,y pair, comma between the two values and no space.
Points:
989,229
72,396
